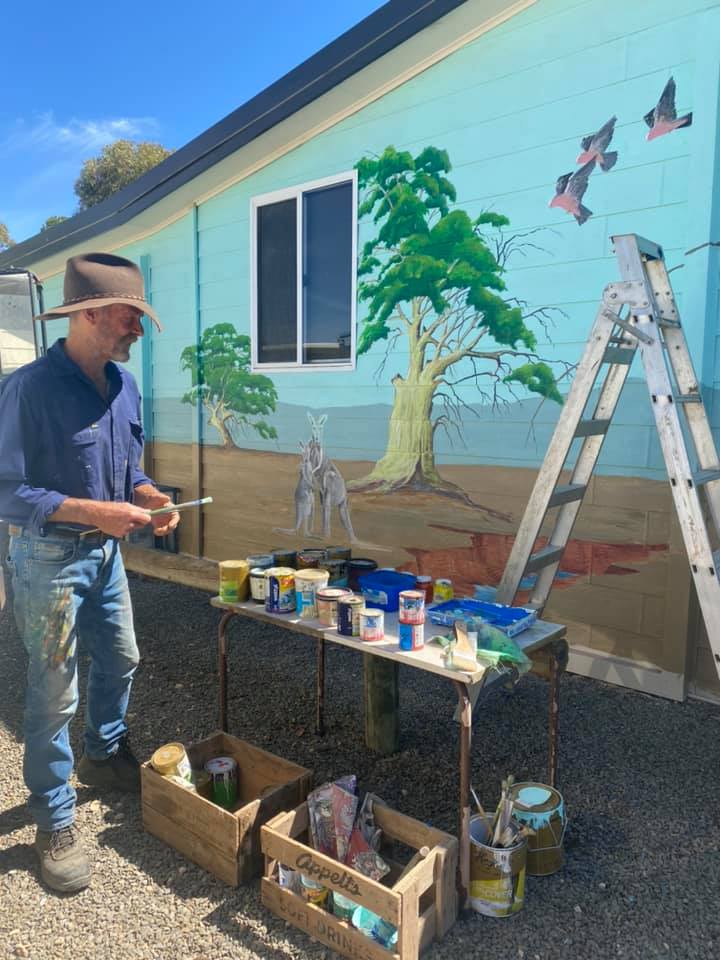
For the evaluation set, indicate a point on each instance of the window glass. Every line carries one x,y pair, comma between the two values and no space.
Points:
327,273
277,282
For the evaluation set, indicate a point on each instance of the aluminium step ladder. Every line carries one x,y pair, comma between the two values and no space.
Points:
637,314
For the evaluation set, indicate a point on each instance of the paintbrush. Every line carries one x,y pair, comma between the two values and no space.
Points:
169,508
478,804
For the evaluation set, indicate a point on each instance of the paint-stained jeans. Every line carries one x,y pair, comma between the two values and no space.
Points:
65,592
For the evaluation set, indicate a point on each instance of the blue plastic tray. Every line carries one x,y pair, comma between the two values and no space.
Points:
382,588
511,620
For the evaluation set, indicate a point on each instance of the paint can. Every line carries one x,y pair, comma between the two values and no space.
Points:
497,874
224,775
425,583
284,558
411,607
171,760
338,553
311,557
356,568
313,892
372,624
327,603
307,584
342,907
257,584
542,808
349,608
233,580
280,590
443,591
338,572
412,636
263,560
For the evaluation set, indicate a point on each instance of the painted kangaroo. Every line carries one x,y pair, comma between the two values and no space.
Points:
304,495
328,481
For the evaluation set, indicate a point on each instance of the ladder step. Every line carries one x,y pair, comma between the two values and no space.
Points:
706,476
544,558
591,428
567,493
661,322
688,398
618,355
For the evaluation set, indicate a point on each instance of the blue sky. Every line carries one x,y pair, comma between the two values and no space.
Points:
79,75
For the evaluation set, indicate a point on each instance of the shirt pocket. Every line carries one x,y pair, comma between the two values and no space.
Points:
84,445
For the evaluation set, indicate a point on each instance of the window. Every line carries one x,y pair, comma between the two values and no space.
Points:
304,276
18,341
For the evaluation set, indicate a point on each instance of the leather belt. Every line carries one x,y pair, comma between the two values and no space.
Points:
94,539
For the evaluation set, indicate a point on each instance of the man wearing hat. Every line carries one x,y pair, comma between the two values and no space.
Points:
71,487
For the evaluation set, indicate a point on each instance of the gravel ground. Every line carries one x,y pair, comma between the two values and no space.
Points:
640,777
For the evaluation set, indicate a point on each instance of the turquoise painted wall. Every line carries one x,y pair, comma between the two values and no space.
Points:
510,109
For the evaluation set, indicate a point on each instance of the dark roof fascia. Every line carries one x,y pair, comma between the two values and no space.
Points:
382,31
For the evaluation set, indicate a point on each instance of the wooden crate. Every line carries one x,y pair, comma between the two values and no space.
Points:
225,842
419,898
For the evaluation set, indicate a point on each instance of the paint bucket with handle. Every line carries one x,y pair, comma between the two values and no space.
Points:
497,874
541,807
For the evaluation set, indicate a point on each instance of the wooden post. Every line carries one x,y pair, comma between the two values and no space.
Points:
382,704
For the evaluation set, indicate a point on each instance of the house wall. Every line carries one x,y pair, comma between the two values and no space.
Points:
510,108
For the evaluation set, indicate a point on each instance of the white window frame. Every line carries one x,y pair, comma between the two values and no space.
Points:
287,194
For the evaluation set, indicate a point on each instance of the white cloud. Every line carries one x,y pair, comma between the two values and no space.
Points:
45,134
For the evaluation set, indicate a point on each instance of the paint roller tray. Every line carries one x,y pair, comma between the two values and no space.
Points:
511,620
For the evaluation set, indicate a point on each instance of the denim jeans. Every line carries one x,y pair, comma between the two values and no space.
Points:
70,594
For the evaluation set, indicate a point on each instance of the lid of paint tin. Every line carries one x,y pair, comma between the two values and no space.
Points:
279,572
166,758
370,612
233,564
423,578
412,595
311,573
444,582
352,599
221,765
332,593
260,559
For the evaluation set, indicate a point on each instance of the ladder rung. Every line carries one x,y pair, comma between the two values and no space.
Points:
706,476
618,355
544,558
591,428
688,398
668,323
567,493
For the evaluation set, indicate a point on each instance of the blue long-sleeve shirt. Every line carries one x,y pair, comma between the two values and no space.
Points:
59,438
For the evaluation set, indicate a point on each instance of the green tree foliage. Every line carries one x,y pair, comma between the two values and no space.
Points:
222,381
430,275
118,165
5,238
52,222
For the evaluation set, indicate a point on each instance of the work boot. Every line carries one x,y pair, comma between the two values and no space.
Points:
64,865
119,771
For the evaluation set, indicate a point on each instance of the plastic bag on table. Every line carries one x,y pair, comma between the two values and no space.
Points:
496,647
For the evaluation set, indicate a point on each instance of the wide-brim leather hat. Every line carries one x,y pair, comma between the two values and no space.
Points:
98,280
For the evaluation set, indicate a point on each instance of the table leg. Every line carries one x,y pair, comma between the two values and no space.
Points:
320,710
222,668
558,662
465,711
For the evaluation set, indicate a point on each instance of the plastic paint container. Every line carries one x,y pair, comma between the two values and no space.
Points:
224,775
372,624
497,874
425,583
171,760
284,558
338,572
356,568
313,892
412,606
348,615
280,590
233,580
311,557
327,601
307,584
542,808
263,560
257,584
412,636
443,591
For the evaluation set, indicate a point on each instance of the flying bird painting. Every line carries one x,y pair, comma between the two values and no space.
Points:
594,147
569,191
663,118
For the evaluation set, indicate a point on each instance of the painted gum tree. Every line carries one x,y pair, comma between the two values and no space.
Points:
429,277
222,382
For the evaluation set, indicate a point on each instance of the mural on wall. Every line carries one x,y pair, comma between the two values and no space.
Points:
434,287
663,117
595,147
570,189
318,474
222,382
